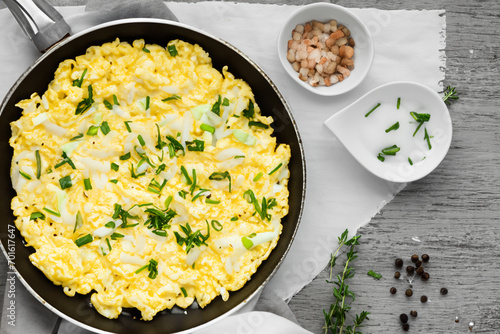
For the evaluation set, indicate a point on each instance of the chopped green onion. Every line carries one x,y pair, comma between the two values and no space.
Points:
195,145
38,164
37,215
374,274
199,194
92,131
275,168
391,150
216,107
141,140
211,201
126,156
183,193
78,82
115,181
108,105
161,144
87,184
52,212
410,161
85,104
393,127
368,114
145,50
78,221
225,102
26,176
184,293
128,126
160,168
420,117
84,240
257,177
110,224
116,236
161,233
380,157
426,137
115,100
65,182
105,128
398,103
109,244
174,146
258,124
186,175
78,136
239,157
114,167
172,50
66,160
148,101
247,243
418,128
173,97
168,201
216,225
207,128
193,186
250,111
219,176
141,268
235,218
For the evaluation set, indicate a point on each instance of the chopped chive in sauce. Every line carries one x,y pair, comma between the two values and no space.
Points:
38,164
398,104
207,128
84,240
393,127
87,184
275,169
257,177
373,109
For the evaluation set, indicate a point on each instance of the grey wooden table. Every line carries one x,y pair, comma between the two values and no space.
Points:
452,214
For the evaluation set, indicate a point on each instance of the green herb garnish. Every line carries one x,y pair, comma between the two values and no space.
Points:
105,128
173,97
141,140
92,131
65,182
219,176
276,169
184,292
374,274
207,128
195,145
87,184
427,138
393,127
37,215
172,50
128,126
25,175
78,82
84,240
216,225
258,124
450,94
114,167
216,107
146,50
398,104
38,164
152,267
86,103
78,221
66,160
249,112
108,105
191,239
126,156
373,109
52,212
211,201
78,136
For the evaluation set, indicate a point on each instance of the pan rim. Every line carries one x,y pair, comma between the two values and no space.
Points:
257,291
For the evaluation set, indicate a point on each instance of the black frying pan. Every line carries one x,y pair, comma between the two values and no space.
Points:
36,79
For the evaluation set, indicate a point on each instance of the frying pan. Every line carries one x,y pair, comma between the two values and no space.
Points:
78,309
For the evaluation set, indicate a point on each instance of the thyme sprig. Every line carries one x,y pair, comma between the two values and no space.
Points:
336,317
450,94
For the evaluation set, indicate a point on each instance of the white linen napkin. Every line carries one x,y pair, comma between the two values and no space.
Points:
340,193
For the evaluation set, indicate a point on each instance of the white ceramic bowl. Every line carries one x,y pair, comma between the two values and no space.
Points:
365,136
324,12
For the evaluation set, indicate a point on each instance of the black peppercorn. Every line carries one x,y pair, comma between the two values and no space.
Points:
423,299
399,263
444,291
425,257
414,258
404,318
410,269
420,270
418,264
414,313
406,327
397,274
408,292
393,290
425,276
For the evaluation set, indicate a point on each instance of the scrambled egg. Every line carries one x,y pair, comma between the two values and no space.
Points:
148,178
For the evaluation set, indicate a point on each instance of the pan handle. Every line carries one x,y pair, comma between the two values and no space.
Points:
43,24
